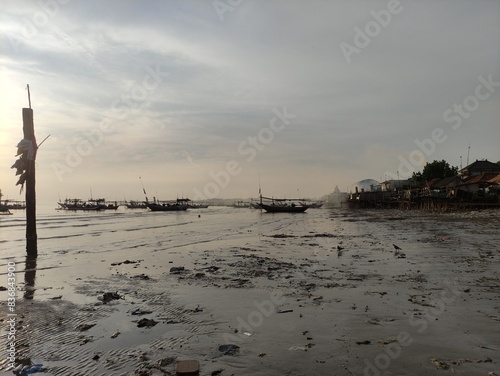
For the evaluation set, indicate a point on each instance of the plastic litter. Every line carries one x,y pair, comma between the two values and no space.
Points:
297,348
28,370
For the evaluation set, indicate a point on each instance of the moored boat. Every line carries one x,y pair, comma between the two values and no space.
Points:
178,205
135,204
312,204
89,205
197,206
13,204
284,205
103,204
240,204
78,204
6,205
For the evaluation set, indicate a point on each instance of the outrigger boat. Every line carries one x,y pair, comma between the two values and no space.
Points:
3,208
283,205
312,204
179,205
77,204
135,204
90,205
193,205
240,204
14,204
6,205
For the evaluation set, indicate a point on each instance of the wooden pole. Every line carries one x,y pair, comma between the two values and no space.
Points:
29,134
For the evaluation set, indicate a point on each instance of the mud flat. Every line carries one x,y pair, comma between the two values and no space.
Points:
322,293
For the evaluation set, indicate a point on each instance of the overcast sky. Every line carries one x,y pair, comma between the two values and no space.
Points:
204,98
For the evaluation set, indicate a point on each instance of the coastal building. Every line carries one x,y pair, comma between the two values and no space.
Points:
484,186
445,187
366,185
476,186
335,199
479,168
479,181
397,185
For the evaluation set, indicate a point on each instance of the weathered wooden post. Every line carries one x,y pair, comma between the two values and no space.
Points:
29,134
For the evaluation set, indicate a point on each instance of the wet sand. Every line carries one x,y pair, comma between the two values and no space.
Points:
320,293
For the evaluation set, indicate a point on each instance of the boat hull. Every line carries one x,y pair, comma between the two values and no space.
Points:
84,208
283,208
156,207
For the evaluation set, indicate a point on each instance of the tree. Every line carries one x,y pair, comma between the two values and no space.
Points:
436,169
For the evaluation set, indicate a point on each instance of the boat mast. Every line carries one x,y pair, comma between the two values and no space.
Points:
145,194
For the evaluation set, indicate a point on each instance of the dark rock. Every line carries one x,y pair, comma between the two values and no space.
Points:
366,342
116,334
143,276
177,269
109,296
165,361
212,269
139,311
229,349
148,323
84,327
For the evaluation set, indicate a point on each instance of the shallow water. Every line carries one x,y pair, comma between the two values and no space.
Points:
235,260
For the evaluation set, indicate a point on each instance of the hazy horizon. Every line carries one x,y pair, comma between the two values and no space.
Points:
210,99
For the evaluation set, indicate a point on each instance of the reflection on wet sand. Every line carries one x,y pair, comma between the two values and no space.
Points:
30,276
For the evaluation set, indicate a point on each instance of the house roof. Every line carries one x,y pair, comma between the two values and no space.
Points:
440,183
495,180
431,183
484,165
483,178
398,182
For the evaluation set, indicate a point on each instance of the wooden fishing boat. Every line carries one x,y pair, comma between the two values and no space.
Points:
78,204
90,205
178,205
273,205
135,204
312,204
6,205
